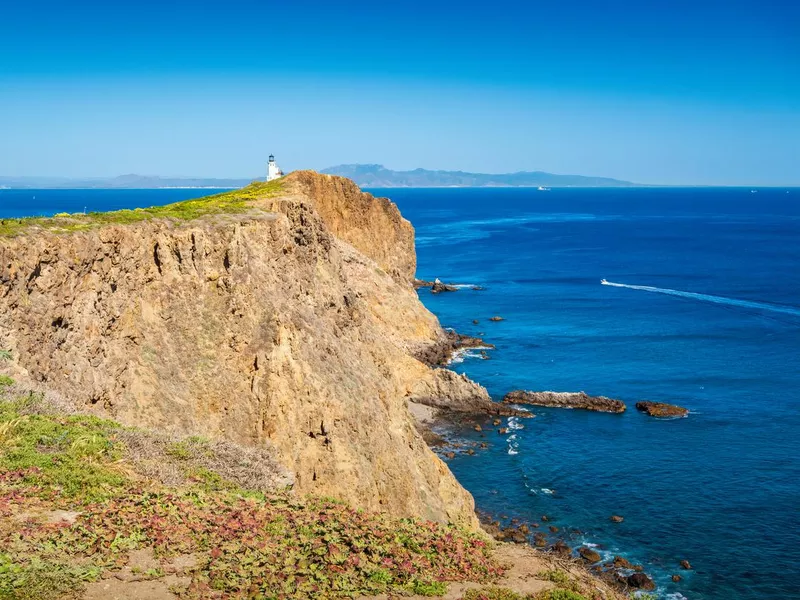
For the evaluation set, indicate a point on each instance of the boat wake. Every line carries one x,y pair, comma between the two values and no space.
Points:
787,310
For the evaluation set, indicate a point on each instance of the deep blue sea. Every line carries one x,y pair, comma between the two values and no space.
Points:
713,325
717,330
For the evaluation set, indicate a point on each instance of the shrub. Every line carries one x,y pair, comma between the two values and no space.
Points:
559,577
560,594
5,355
493,593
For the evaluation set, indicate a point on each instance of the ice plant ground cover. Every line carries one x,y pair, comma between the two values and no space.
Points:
244,543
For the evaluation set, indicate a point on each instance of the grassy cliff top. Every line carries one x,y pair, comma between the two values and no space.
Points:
235,201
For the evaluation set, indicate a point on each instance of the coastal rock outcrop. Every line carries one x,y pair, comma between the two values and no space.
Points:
640,581
439,287
448,343
452,392
661,409
565,400
291,321
589,555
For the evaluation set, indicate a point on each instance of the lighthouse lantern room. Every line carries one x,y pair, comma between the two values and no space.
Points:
273,170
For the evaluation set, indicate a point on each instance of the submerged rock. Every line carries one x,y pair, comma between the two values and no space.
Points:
685,565
676,578
565,400
661,409
496,318
617,519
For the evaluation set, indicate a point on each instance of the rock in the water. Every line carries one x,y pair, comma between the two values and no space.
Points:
496,422
475,321
477,428
553,529
560,548
685,565
640,581
496,318
439,287
676,578
622,563
565,400
617,519
470,451
589,555
450,455
524,528
545,518
502,430
421,283
661,409
440,353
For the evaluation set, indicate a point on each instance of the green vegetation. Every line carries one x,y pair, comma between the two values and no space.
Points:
501,593
247,545
5,355
560,594
6,381
494,593
236,201
560,578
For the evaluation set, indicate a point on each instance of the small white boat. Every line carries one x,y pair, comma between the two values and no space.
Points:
603,282
544,189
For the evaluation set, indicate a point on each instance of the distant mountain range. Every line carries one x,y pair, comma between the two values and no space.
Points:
380,176
363,175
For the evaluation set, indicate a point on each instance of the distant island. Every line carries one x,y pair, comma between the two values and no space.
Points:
380,176
364,175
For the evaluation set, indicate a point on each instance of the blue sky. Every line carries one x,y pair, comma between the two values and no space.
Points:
702,92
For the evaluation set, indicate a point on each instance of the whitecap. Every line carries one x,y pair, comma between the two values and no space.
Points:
460,355
513,451
548,491
514,424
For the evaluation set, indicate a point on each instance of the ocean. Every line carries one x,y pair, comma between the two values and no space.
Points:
706,315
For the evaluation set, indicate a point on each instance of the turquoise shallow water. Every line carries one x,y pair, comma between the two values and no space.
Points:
719,334
720,488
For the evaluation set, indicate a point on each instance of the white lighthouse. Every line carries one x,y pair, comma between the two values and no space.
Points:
273,170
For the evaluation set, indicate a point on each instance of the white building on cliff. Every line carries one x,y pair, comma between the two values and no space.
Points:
273,170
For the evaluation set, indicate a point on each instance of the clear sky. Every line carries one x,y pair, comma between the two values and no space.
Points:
654,91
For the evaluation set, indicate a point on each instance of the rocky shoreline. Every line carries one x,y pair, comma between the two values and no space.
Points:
554,540
441,353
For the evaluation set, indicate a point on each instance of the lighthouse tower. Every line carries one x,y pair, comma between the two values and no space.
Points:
273,170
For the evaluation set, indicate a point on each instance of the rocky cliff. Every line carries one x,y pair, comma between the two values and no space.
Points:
290,322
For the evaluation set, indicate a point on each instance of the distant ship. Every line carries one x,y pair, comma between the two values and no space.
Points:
544,189
603,282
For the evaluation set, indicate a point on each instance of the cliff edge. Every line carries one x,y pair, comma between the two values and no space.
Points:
278,315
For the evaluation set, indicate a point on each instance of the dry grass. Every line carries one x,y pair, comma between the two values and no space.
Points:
169,459
176,461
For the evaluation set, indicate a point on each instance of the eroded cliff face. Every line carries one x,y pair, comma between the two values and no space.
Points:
293,324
